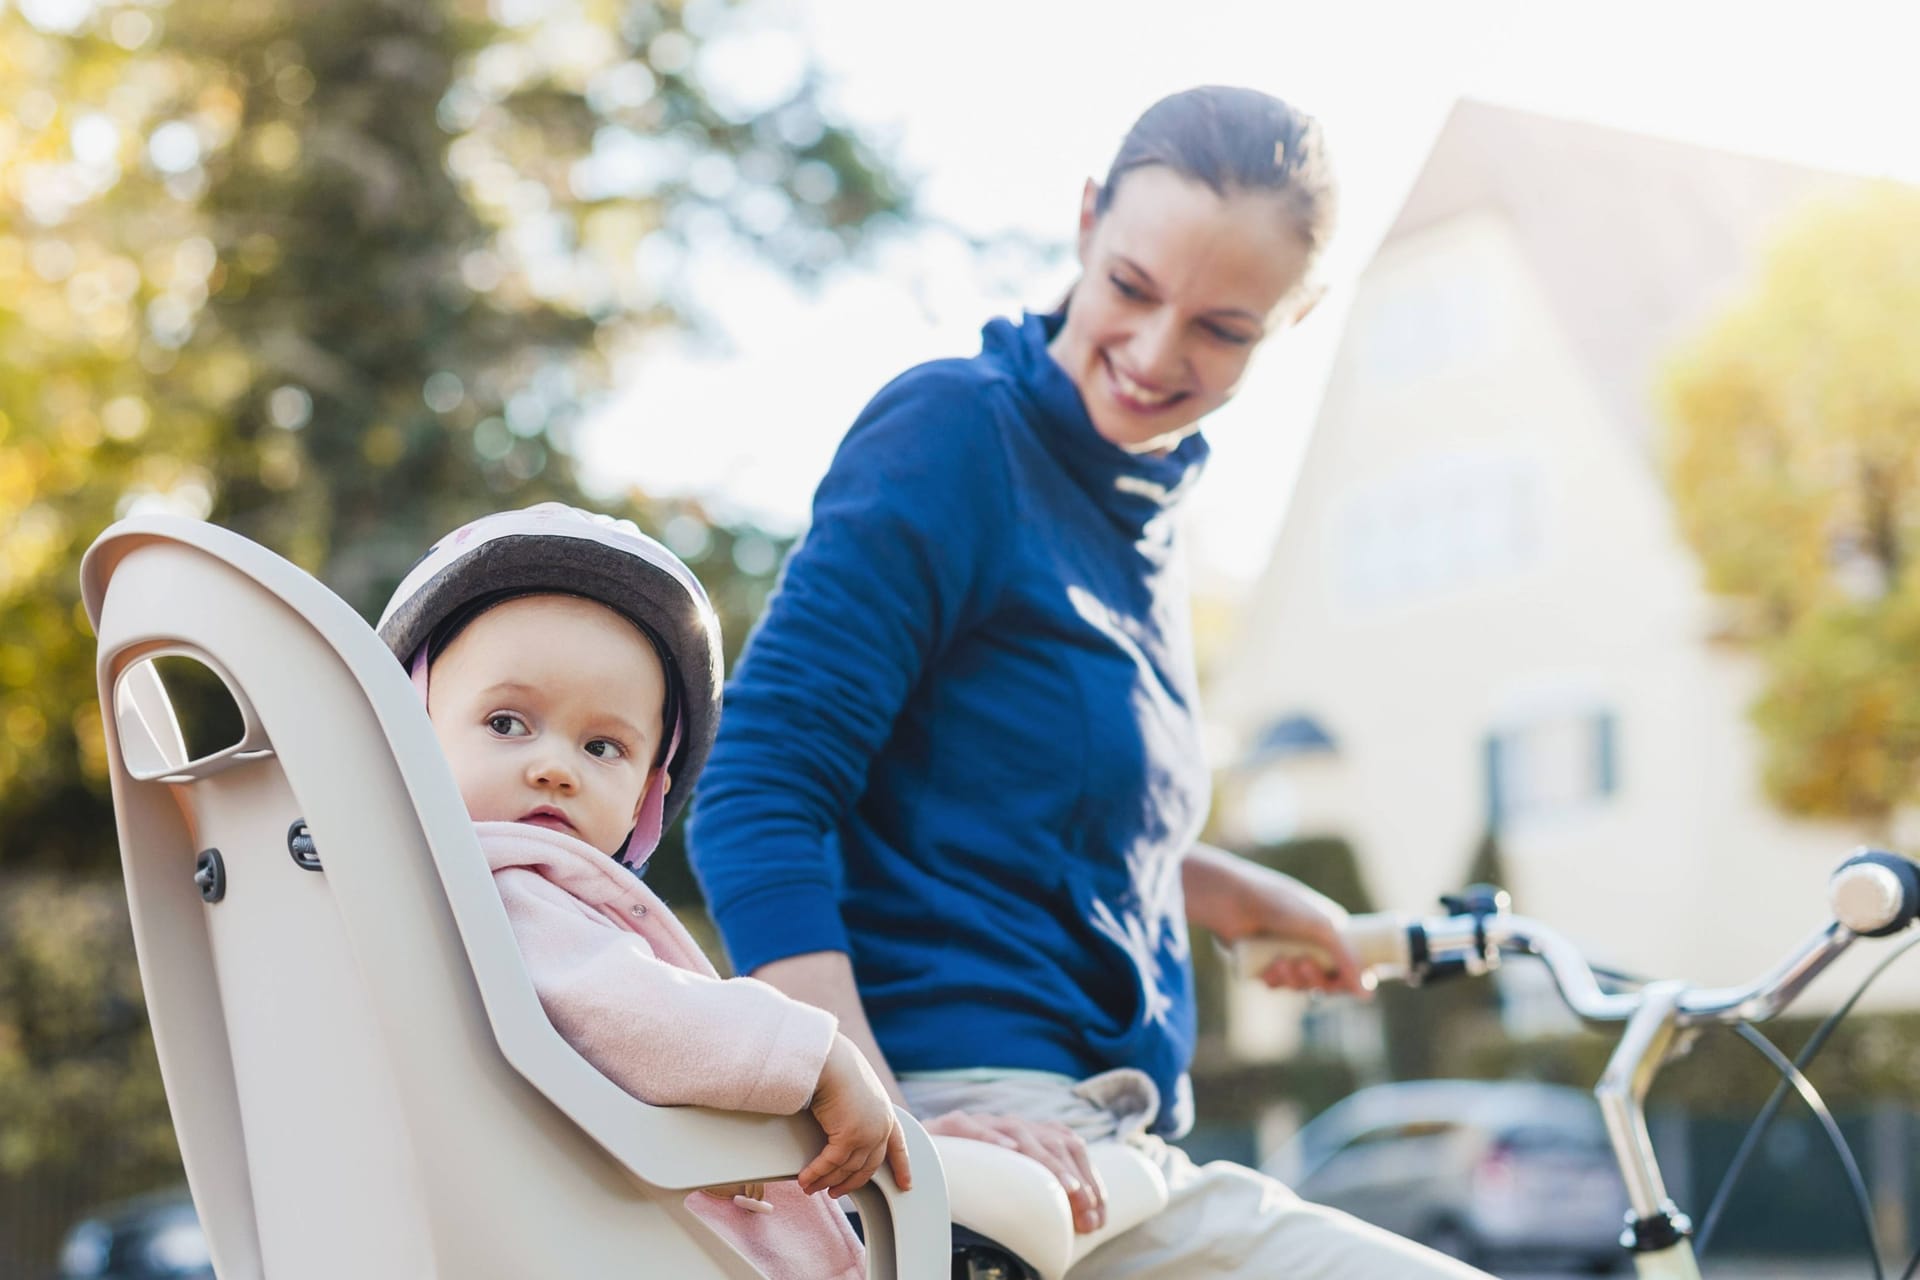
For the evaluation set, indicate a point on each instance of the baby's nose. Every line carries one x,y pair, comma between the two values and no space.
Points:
552,773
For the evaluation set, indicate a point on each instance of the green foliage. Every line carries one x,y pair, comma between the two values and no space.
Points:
1868,1060
85,1117
341,277
1235,1095
1841,713
1794,461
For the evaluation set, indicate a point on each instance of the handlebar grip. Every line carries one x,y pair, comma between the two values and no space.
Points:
1875,893
1379,940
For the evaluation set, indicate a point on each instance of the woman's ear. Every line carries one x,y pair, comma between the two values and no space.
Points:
1303,306
1089,215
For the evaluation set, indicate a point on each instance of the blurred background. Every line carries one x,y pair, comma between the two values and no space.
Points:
1567,546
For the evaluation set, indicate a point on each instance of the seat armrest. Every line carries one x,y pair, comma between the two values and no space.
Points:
908,1233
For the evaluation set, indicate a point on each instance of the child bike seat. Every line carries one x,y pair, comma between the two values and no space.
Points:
361,1077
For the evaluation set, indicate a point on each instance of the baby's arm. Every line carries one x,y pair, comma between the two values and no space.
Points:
673,1037
667,1035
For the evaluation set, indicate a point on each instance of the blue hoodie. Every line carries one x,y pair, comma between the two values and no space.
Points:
963,744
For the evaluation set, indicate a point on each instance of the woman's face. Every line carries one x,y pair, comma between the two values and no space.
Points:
1178,287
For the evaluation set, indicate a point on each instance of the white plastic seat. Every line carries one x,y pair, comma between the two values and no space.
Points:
361,1076
1016,1203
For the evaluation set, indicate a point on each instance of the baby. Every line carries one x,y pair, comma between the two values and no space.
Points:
570,669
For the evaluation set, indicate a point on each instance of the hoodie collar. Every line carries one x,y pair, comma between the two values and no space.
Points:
1133,489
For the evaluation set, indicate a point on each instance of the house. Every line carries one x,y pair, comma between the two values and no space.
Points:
1479,614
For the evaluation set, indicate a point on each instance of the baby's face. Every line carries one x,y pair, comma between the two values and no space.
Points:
549,710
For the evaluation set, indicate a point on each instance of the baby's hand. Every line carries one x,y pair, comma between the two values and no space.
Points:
751,1196
854,1109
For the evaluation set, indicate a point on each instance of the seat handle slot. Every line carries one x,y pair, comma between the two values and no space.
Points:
153,745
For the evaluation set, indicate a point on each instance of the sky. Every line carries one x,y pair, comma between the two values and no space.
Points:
999,110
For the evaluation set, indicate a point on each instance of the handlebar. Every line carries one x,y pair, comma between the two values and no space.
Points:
1871,894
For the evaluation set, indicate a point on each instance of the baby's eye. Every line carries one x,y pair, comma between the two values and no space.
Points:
606,749
507,725
1131,292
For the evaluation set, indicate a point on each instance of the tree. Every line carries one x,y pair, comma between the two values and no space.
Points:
341,276
1794,462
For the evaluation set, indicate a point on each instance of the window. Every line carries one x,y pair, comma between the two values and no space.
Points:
1550,766
1440,525
1432,321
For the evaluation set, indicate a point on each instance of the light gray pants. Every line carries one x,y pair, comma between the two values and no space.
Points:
1223,1220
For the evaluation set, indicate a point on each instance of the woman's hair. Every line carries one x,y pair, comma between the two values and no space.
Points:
1236,140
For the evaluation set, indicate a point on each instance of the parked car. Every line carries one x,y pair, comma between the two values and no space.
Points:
1493,1172
152,1237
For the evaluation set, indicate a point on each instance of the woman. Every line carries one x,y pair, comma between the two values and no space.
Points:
959,784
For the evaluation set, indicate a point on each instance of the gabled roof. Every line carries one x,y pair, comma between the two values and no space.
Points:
1633,238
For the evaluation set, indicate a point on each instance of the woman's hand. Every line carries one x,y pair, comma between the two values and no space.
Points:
862,1131
1238,899
1053,1144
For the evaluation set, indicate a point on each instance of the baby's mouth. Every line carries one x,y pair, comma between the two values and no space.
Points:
550,818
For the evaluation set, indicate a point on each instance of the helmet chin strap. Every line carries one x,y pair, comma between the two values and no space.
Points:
648,816
417,669
648,819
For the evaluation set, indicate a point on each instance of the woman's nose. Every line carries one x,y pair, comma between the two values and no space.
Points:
1156,347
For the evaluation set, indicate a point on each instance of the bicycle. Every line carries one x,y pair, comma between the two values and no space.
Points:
1871,894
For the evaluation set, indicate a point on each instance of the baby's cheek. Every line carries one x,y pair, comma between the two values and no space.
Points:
474,799
477,806
473,781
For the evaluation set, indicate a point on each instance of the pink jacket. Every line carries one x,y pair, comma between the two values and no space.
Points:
629,989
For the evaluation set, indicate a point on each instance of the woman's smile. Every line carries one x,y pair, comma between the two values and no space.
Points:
1135,394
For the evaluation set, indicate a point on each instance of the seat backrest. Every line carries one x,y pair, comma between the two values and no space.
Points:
361,1076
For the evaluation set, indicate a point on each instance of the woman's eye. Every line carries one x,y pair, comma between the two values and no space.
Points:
605,749
507,726
1232,336
1132,293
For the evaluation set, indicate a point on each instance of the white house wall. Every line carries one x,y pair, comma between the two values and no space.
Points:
1474,546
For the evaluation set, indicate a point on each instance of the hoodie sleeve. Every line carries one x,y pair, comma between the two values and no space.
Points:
903,551
666,1035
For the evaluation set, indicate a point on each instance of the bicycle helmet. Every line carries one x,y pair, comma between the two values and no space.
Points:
556,549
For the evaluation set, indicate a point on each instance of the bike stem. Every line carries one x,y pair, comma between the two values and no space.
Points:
1657,1233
